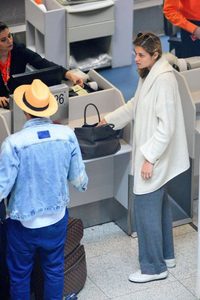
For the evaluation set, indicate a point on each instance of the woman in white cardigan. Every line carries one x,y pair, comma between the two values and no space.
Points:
159,154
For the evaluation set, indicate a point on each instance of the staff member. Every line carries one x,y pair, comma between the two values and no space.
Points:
14,58
186,15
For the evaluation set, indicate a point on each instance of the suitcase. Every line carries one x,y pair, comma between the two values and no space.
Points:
74,235
75,269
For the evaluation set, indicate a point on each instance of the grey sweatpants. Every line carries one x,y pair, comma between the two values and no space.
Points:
153,219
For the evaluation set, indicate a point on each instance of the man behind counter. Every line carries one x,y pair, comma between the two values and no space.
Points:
13,60
186,15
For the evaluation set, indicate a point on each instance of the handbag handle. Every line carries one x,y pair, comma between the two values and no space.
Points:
85,109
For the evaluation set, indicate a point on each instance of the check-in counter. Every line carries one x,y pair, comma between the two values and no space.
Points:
86,36
5,124
189,88
109,196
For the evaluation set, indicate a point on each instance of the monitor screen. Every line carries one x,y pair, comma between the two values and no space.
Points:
50,76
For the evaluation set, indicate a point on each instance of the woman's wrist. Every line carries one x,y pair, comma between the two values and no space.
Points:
146,160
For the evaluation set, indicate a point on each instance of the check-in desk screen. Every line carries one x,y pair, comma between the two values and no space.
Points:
50,76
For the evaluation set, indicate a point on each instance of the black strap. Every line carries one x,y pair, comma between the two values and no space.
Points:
85,109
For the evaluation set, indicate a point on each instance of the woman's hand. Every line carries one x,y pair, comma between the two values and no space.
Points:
74,78
147,170
4,102
102,122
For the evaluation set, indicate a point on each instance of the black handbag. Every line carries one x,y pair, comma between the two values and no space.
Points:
97,141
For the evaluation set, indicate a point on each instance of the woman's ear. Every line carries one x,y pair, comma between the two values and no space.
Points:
155,55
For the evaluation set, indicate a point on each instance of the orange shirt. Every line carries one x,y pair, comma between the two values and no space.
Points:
178,12
5,68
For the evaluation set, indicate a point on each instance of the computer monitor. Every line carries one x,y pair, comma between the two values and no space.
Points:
50,76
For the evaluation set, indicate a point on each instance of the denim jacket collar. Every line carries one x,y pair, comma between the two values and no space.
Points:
37,121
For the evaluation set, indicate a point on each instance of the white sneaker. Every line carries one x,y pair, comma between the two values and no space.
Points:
170,263
142,278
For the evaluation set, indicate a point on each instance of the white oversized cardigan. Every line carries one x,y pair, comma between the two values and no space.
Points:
159,132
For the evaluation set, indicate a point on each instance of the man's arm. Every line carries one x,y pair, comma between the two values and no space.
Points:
9,163
77,175
173,14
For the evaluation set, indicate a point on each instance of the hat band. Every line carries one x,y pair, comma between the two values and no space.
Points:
33,107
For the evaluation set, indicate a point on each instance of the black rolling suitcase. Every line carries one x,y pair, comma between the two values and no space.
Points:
75,270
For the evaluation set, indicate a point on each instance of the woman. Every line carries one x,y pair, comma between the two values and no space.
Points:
160,153
13,60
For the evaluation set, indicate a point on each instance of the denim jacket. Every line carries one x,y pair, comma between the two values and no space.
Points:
35,165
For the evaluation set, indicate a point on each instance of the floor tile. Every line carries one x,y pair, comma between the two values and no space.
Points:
190,283
91,292
102,239
112,256
110,272
183,229
169,291
115,284
186,256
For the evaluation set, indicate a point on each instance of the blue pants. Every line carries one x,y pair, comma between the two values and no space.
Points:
154,229
22,244
4,277
189,47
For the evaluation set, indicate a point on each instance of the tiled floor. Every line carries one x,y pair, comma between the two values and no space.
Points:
112,256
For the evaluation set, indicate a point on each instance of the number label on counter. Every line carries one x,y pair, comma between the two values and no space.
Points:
60,98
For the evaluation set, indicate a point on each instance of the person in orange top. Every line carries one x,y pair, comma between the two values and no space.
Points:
186,15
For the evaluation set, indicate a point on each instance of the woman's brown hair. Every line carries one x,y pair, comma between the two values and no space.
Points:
151,44
3,26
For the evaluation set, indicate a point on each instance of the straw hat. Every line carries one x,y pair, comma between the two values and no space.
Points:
36,99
